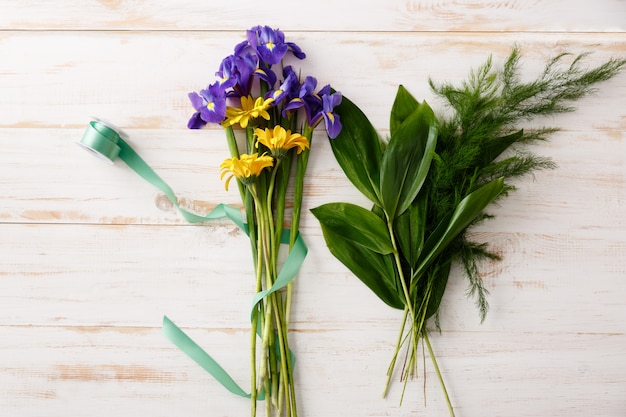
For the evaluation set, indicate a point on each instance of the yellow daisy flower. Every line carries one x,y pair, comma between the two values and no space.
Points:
250,109
246,168
279,140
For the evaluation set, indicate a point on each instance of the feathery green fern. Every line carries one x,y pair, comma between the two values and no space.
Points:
480,141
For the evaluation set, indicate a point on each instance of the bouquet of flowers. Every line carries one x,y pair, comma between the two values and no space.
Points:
257,94
432,180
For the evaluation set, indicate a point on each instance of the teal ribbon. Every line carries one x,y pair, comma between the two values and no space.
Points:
106,141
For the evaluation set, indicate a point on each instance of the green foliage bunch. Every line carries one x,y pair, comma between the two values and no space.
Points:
433,179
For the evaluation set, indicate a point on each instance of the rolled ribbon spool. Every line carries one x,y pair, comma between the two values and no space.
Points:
103,139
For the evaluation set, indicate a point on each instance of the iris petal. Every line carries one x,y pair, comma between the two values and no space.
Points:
195,122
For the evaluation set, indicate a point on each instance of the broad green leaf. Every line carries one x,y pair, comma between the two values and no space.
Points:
406,160
466,211
409,229
376,271
358,150
403,106
495,147
356,224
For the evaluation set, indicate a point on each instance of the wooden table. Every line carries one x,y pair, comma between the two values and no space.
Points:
93,256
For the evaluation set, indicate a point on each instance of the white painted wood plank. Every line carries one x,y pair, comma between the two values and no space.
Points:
325,15
201,276
71,370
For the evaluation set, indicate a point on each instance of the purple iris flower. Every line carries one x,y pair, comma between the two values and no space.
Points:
269,45
306,99
289,87
331,119
318,106
210,105
228,74
236,71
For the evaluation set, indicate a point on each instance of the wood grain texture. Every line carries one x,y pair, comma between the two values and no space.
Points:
324,15
93,256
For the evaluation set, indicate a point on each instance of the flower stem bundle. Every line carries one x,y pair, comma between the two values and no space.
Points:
433,179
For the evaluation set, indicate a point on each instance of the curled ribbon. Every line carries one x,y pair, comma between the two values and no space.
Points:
106,141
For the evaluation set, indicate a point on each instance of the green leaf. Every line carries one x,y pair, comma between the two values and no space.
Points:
409,229
466,211
437,281
376,271
403,106
495,147
356,224
406,160
358,150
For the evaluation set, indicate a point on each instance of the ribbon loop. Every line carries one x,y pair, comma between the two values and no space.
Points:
101,141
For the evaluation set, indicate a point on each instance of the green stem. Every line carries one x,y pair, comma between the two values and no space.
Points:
410,362
268,400
255,322
396,255
399,344
233,148
253,337
272,248
434,360
280,191
302,161
289,374
250,142
244,192
266,370
263,263
283,346
415,330
272,358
